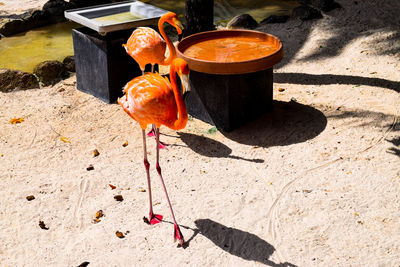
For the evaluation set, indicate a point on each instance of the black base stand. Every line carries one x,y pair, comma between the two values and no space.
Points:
102,65
230,101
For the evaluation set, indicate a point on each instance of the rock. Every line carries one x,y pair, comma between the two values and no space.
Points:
52,12
85,3
56,8
244,21
306,13
324,5
37,18
275,19
17,80
11,26
24,22
69,63
49,72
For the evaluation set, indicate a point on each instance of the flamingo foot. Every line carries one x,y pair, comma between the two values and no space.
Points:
155,218
178,235
162,145
152,134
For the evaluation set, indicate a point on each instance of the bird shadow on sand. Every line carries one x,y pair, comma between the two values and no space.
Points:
288,123
234,241
237,242
210,148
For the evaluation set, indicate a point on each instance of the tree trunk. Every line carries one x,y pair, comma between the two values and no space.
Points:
199,16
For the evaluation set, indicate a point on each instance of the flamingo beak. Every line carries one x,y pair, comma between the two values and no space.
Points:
185,83
178,26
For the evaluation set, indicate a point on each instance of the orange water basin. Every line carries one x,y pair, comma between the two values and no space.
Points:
230,51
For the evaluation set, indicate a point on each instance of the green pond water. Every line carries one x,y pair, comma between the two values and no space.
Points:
24,51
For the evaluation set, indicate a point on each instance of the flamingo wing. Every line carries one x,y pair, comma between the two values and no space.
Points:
149,99
146,45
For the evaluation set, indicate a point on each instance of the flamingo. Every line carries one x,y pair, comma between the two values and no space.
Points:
152,99
146,46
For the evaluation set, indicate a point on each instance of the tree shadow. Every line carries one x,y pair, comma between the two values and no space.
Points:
355,20
320,79
369,17
371,118
288,123
210,148
368,118
237,242
395,150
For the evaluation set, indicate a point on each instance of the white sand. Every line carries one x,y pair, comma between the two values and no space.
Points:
316,183
9,7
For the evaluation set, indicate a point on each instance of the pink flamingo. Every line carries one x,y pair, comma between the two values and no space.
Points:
152,99
146,46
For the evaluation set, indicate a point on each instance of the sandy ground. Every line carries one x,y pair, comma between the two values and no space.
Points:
315,183
9,7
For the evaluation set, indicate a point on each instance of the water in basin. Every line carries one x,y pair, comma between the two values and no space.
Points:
231,49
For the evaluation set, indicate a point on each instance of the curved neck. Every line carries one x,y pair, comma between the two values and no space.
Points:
179,123
171,47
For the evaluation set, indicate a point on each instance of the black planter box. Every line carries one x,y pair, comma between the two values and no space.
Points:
229,101
102,65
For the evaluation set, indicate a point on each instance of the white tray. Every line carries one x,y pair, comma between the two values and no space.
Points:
116,16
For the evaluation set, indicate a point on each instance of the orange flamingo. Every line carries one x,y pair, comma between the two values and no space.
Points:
152,99
146,46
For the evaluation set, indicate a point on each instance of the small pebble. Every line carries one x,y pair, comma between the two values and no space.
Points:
96,153
31,197
112,186
118,198
90,168
99,214
43,225
119,234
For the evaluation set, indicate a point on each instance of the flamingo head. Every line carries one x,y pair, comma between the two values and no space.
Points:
172,19
182,69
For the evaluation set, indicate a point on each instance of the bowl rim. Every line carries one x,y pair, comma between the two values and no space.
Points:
237,67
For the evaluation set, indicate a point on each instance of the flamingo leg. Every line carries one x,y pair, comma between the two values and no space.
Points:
152,133
153,218
153,126
142,68
177,232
